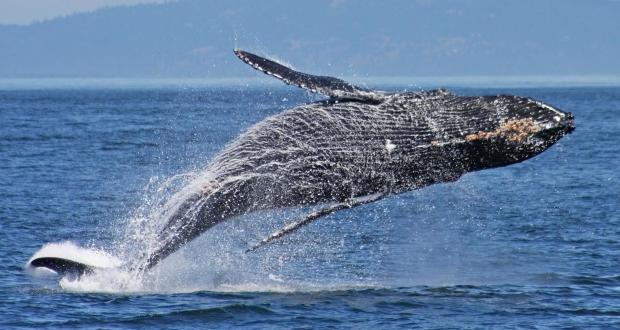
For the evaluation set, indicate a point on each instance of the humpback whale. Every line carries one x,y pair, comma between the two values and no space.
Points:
355,147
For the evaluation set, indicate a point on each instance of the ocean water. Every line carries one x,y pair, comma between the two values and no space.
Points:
532,245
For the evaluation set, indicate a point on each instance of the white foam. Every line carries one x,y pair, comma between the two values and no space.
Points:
40,272
179,273
106,280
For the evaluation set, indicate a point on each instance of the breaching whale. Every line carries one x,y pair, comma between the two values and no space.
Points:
355,147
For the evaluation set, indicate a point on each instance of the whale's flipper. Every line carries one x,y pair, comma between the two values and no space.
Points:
353,202
330,86
63,266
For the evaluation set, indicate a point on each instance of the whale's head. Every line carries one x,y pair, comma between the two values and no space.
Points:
503,129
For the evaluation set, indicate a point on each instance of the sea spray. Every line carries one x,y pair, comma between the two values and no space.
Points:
160,197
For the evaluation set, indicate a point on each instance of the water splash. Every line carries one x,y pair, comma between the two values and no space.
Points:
213,262
159,198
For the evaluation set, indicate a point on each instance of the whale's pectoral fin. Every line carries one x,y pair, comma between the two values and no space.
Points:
330,86
353,202
63,266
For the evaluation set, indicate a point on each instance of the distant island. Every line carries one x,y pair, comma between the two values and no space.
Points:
194,39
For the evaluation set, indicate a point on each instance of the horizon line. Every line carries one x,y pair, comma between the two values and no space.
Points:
500,81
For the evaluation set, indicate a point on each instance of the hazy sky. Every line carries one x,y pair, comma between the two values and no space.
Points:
27,11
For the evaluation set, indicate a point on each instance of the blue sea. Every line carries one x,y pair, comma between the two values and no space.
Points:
532,245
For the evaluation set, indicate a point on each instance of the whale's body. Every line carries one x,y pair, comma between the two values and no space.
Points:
355,148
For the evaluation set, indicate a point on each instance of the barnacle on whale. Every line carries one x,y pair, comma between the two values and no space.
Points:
515,130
